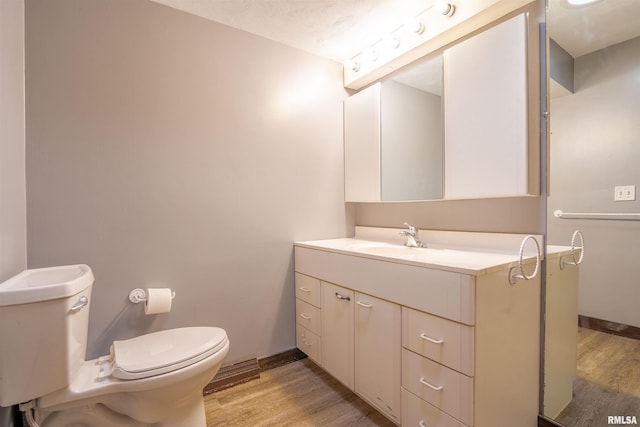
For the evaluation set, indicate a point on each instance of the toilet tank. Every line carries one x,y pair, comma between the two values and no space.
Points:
44,317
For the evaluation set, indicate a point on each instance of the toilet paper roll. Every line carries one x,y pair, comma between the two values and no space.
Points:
158,301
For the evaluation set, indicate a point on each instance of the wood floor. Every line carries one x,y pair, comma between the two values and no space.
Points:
608,381
296,394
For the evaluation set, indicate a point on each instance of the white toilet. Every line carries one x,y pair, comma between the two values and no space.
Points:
154,379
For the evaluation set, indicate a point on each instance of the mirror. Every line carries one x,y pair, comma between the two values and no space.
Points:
411,133
594,147
453,126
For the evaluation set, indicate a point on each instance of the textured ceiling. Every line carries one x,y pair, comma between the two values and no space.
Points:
583,30
339,29
334,29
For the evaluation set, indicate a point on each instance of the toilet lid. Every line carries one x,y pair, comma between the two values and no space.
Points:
165,351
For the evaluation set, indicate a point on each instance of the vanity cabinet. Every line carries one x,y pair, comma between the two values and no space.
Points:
428,346
561,332
337,326
308,316
377,353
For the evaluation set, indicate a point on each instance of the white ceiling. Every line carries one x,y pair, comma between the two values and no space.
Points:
334,29
584,30
339,29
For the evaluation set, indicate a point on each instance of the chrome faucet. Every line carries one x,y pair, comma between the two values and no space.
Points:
411,235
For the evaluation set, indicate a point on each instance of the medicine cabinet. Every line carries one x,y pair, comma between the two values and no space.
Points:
472,140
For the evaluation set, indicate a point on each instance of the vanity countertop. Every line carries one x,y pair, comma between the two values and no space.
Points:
465,261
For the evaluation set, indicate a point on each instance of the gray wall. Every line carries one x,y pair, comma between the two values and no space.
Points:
595,146
13,237
13,218
167,150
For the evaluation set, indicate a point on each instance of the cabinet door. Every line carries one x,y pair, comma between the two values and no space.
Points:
337,332
485,86
362,145
378,353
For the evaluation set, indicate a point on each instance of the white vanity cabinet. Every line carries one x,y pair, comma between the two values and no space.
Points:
337,326
308,316
428,345
377,353
561,332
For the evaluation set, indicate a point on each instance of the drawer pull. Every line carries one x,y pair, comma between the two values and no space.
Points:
347,298
431,340
422,424
363,304
303,289
431,386
305,316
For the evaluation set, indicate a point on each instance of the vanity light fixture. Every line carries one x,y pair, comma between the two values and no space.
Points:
393,42
414,26
444,7
352,65
372,54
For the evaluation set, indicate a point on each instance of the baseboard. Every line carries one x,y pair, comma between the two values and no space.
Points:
546,422
614,328
233,374
246,370
280,359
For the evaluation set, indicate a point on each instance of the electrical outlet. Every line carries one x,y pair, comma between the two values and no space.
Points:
624,193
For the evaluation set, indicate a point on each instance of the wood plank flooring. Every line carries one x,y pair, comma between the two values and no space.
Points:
296,394
608,381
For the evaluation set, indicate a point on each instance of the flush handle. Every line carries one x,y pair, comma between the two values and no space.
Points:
83,301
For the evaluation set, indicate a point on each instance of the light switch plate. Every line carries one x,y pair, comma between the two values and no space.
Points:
625,193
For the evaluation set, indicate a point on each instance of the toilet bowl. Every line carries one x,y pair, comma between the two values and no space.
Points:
154,379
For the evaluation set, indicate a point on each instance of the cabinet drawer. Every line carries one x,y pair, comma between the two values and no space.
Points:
418,413
308,289
308,316
309,343
442,340
448,390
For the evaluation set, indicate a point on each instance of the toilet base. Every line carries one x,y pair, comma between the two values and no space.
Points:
98,415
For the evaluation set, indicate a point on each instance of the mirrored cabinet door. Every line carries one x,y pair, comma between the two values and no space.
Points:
454,125
485,113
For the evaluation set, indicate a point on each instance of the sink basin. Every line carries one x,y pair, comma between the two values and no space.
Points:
422,254
432,255
42,284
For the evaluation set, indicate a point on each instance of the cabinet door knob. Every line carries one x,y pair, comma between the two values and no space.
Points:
347,298
305,316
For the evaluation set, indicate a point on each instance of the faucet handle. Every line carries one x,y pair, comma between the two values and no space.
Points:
412,228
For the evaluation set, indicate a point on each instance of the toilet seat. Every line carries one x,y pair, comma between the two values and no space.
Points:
165,351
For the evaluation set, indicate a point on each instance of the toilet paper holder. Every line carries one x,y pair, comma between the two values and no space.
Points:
139,295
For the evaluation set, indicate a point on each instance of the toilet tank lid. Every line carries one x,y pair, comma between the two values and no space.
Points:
164,349
43,284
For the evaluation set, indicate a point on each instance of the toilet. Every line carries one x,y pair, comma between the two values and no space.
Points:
155,379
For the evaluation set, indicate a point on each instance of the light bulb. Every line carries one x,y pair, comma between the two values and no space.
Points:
444,7
352,65
415,26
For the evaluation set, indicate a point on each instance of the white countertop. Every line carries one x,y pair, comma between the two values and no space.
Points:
473,262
